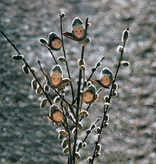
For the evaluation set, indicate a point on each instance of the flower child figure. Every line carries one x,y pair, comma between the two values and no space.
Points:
106,78
90,95
78,30
55,79
55,114
54,42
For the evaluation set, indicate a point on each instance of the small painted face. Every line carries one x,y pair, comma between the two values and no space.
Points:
79,31
55,79
56,44
88,97
57,116
105,80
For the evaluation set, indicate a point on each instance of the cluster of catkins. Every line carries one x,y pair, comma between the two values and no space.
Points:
56,82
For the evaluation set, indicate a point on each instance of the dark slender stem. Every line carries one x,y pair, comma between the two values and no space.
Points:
11,43
41,68
94,71
29,68
52,56
89,78
106,106
68,131
78,102
71,85
78,96
88,133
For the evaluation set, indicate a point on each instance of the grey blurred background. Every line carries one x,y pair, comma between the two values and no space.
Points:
26,136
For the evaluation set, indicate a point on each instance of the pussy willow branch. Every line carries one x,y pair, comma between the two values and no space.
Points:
78,96
52,56
58,92
68,131
89,78
78,101
94,70
27,65
106,106
71,85
89,133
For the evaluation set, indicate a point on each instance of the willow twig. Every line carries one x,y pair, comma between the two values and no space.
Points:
27,65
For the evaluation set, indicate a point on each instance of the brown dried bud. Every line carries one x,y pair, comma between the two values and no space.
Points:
62,132
106,98
60,137
57,99
88,131
80,145
98,147
115,86
80,125
43,41
66,150
43,102
83,113
62,14
84,144
34,84
89,159
93,69
25,69
17,57
98,64
106,118
98,155
85,41
82,67
62,59
120,48
124,63
92,126
98,130
125,35
115,93
74,131
77,155
79,63
46,88
105,125
64,143
39,90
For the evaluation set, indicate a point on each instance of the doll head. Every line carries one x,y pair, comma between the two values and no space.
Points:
56,75
55,114
89,94
106,77
78,29
55,41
